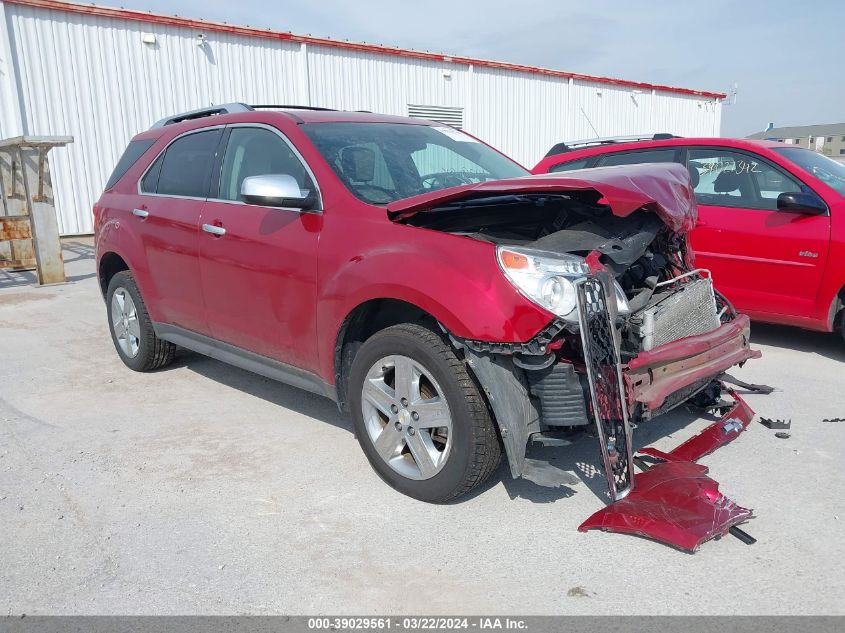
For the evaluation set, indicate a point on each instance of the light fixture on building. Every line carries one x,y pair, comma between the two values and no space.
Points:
148,38
200,40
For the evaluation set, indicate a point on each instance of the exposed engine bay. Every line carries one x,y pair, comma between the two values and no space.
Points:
660,296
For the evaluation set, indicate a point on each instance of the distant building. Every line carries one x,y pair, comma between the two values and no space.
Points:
102,75
826,139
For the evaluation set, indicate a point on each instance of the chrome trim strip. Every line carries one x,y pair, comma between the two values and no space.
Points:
278,132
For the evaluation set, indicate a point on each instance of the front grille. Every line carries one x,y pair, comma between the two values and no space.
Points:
601,360
674,314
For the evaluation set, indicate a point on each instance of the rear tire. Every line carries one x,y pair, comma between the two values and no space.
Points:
131,328
419,416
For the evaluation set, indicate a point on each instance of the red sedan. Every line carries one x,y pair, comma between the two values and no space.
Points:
771,219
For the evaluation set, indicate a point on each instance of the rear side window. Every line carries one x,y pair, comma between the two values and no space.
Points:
130,156
186,166
575,164
149,183
635,158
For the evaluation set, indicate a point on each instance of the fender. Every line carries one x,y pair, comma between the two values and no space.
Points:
112,237
429,270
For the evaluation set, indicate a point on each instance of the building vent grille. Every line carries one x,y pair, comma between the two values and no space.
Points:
441,114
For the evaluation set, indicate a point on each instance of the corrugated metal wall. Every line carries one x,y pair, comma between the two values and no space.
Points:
93,78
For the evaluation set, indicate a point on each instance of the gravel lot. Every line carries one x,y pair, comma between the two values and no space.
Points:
206,489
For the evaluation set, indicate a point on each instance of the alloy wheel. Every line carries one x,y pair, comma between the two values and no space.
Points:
407,417
124,320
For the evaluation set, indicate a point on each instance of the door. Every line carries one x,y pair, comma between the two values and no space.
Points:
259,264
767,262
166,218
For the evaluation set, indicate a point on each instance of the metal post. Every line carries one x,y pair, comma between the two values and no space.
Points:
28,222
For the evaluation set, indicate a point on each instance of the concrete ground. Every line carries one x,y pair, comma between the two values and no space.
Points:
206,489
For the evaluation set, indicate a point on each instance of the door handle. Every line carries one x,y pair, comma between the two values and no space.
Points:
218,231
140,213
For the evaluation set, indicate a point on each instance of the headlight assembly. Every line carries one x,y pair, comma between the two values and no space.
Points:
548,279
545,278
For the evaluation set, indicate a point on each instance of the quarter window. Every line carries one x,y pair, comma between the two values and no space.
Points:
255,151
635,158
186,165
732,179
132,153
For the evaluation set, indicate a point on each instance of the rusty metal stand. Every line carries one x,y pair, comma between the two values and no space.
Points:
29,228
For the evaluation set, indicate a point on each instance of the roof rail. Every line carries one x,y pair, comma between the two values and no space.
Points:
226,108
291,107
561,148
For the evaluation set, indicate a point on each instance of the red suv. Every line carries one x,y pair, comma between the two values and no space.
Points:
453,304
771,219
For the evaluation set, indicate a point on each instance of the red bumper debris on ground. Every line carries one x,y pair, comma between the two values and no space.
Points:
674,501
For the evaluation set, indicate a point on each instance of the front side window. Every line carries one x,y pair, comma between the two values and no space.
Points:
733,179
826,169
383,162
635,158
186,165
254,151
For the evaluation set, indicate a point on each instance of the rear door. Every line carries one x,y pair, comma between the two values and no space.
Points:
166,218
767,262
259,263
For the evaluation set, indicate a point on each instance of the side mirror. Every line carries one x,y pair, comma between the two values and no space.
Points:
276,190
801,202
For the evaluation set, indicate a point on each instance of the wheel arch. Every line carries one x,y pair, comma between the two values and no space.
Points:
496,381
361,323
837,311
110,264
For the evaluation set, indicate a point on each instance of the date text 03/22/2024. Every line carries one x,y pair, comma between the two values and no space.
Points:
416,623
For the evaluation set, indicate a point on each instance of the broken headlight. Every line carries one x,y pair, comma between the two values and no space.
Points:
545,278
548,279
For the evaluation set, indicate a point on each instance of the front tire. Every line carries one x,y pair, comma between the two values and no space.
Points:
419,416
131,328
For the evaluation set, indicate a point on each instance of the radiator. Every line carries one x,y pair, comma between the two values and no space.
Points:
688,309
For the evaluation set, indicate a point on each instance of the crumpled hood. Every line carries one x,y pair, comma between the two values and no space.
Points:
664,188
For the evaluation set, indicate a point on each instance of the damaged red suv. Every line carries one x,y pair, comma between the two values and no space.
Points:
451,303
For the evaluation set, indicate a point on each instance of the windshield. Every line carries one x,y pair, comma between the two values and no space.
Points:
383,162
825,169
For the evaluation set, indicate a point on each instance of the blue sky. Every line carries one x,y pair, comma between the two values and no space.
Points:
785,56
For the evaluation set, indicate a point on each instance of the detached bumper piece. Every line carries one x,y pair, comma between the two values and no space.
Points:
675,502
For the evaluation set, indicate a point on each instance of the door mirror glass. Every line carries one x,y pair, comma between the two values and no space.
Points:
801,202
276,190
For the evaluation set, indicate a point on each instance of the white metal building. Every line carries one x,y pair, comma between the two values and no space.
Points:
102,75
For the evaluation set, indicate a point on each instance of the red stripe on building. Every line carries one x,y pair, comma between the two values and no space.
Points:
218,27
